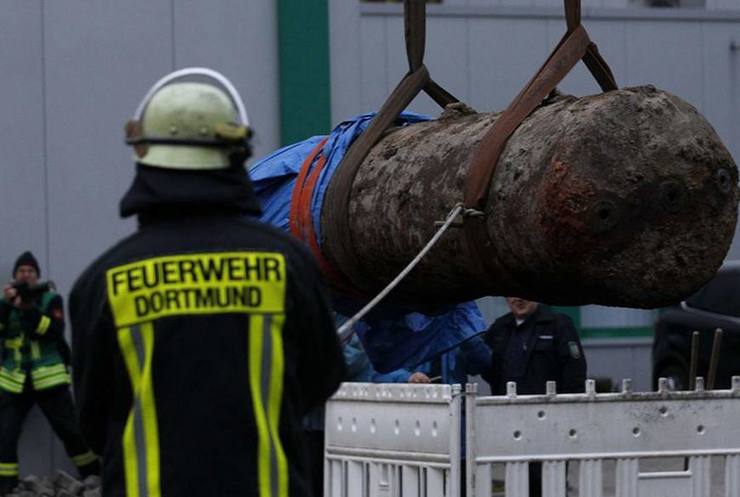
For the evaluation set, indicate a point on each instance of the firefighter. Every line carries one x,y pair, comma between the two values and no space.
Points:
33,370
201,340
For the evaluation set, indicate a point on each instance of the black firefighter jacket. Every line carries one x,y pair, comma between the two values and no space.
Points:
199,343
553,352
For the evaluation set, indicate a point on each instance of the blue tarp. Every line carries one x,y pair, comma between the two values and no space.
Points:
393,337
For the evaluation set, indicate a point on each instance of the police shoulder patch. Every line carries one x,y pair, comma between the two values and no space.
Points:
575,352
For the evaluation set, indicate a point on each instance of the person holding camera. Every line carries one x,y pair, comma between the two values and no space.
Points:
33,370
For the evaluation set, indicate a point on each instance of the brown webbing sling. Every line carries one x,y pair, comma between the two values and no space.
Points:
416,79
574,46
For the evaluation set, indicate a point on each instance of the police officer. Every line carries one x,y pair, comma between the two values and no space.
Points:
532,345
33,370
201,340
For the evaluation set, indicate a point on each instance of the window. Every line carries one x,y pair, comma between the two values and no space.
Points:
669,3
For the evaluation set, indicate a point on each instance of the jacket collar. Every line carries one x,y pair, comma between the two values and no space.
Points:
164,193
541,315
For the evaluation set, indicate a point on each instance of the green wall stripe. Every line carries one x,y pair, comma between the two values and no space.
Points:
603,332
305,95
623,332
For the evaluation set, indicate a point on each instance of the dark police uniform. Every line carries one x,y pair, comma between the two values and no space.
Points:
33,370
200,342
545,347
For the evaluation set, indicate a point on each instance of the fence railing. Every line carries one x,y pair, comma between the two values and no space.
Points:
407,441
391,440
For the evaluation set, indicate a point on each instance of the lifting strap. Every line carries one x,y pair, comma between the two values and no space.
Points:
574,46
416,79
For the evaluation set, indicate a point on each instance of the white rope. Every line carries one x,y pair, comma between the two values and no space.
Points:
346,330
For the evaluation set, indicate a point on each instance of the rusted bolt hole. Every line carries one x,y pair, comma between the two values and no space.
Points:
723,178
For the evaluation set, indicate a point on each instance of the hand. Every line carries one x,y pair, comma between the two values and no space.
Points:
419,377
11,295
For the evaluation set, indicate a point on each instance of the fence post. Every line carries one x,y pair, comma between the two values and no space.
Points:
471,392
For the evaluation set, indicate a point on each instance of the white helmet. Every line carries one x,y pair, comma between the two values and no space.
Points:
190,119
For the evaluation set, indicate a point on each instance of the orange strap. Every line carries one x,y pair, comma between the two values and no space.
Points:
296,195
301,219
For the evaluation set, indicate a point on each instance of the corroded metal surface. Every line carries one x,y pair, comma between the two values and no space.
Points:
627,198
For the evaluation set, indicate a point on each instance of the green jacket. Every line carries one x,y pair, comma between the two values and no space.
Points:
33,343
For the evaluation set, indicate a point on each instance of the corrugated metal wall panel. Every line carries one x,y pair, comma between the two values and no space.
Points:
73,73
668,55
609,35
504,54
22,169
23,174
374,84
237,38
447,53
597,316
88,100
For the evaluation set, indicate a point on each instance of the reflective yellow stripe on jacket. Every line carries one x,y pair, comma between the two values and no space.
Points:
8,469
43,326
84,459
140,436
12,380
14,343
50,376
266,369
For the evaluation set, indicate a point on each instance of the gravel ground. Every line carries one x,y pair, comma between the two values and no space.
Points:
60,485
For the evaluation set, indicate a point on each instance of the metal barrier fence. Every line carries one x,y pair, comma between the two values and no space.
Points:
393,440
405,441
625,428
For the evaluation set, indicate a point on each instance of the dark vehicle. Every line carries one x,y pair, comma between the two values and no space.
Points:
716,305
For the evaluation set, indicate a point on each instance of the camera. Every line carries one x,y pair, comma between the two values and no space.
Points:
29,293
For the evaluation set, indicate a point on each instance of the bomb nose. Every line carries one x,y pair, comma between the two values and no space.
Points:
723,180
